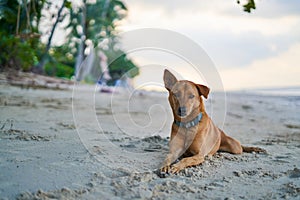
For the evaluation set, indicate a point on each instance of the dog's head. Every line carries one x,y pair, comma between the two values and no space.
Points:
184,96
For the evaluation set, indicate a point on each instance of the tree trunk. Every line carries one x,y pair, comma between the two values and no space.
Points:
105,8
18,20
39,68
80,54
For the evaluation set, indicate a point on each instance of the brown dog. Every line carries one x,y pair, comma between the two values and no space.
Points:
193,134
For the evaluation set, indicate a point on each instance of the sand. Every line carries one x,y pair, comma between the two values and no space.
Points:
82,144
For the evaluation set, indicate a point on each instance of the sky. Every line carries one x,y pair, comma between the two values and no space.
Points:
256,50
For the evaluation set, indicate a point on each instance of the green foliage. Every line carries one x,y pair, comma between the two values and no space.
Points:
121,66
8,15
19,37
17,53
68,4
60,63
59,70
18,16
248,6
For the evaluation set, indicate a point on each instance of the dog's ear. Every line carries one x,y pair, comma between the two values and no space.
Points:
169,79
203,90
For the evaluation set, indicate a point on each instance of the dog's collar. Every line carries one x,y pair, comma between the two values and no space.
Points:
189,124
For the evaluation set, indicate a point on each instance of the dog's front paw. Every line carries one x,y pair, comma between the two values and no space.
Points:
176,168
165,169
163,172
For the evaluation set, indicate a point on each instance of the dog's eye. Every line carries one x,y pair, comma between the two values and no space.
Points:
191,96
177,95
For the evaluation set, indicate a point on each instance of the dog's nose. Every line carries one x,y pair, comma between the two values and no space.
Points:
182,111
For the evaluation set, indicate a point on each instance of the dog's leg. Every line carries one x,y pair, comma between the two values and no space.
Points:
230,145
187,162
171,157
176,150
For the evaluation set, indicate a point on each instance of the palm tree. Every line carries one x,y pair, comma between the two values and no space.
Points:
96,21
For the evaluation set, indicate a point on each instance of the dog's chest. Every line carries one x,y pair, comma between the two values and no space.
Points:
188,136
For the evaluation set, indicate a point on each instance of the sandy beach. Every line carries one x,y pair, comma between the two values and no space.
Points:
83,144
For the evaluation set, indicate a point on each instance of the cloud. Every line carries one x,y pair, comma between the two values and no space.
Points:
214,15
230,39
281,71
236,41
277,8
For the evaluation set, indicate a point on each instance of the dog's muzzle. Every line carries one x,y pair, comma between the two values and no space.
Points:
182,111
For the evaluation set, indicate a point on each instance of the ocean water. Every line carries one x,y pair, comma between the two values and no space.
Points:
283,96
288,92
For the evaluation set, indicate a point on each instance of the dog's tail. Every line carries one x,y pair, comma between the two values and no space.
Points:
254,149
